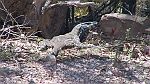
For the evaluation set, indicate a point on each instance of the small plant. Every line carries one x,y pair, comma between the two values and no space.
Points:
5,54
79,12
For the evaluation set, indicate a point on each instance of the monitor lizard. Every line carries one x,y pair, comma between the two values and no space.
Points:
73,38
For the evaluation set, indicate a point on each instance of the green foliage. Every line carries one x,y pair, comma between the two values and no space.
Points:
81,12
5,54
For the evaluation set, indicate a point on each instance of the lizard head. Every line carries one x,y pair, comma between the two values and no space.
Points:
84,29
89,24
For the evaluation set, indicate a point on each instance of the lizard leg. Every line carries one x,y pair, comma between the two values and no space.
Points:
77,43
56,50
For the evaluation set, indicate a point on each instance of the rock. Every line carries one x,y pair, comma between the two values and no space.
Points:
147,50
15,7
52,20
147,64
51,58
23,11
38,5
40,15
116,25
46,16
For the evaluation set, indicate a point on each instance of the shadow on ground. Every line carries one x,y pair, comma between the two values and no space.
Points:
98,70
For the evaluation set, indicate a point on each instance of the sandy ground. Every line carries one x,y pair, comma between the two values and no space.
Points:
83,70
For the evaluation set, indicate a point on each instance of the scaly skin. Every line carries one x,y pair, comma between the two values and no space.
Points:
70,39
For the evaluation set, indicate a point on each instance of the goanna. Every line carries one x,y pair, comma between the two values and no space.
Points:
72,38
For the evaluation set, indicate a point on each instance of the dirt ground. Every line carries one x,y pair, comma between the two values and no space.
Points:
79,69
19,64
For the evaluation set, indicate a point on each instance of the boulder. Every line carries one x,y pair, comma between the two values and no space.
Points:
15,7
52,21
17,12
46,16
36,14
116,25
33,16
